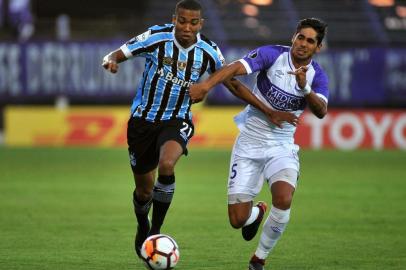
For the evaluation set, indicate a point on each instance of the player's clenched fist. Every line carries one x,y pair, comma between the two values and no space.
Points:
278,117
110,64
197,92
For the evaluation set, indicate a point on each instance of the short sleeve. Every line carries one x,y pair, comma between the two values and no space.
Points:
261,58
137,45
218,62
320,83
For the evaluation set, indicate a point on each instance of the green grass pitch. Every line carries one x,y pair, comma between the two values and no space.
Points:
71,209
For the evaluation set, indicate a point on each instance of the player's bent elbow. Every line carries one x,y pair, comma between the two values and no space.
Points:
320,113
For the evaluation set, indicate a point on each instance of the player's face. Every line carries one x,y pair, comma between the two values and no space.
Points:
187,24
304,45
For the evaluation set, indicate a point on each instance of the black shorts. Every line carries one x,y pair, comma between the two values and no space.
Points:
145,138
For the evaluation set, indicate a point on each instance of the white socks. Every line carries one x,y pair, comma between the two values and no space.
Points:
253,216
272,230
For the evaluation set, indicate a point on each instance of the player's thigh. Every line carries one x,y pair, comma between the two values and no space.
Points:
245,179
283,165
170,150
141,139
178,130
169,154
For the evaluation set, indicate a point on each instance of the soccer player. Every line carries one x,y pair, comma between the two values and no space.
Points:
288,80
160,126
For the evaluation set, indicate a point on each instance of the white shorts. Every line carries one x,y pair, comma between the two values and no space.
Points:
253,161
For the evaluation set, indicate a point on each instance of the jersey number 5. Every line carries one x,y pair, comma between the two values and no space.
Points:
233,173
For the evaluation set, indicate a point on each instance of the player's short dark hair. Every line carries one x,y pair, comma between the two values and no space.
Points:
188,4
318,25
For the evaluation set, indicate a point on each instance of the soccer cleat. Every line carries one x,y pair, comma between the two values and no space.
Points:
142,234
256,263
249,231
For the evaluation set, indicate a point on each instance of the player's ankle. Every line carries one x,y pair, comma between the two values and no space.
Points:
255,259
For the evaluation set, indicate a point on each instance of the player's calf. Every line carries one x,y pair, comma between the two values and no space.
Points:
162,197
240,210
238,218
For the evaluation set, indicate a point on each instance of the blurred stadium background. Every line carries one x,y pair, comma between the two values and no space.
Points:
50,54
65,205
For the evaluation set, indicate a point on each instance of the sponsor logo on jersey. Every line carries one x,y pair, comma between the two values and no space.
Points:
279,73
282,100
169,76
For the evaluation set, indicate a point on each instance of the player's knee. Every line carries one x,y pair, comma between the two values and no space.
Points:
144,194
237,220
166,166
282,201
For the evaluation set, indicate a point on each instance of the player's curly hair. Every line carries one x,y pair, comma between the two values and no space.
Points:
318,25
188,4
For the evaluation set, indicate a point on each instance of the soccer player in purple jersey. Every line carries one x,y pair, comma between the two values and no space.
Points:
288,80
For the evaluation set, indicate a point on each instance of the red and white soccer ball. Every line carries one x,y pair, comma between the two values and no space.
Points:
160,251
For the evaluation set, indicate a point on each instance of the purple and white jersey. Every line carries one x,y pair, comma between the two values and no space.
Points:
279,90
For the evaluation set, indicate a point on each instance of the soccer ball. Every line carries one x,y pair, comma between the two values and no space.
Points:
160,251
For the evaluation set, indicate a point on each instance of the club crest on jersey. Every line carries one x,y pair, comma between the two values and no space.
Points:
182,65
167,61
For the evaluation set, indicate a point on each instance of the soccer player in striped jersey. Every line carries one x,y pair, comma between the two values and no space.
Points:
288,80
160,126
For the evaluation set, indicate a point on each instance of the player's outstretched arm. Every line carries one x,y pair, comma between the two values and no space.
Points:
111,60
242,92
198,91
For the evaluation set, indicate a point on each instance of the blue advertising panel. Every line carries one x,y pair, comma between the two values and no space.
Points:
357,77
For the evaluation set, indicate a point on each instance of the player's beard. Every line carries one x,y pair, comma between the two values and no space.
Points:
301,59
